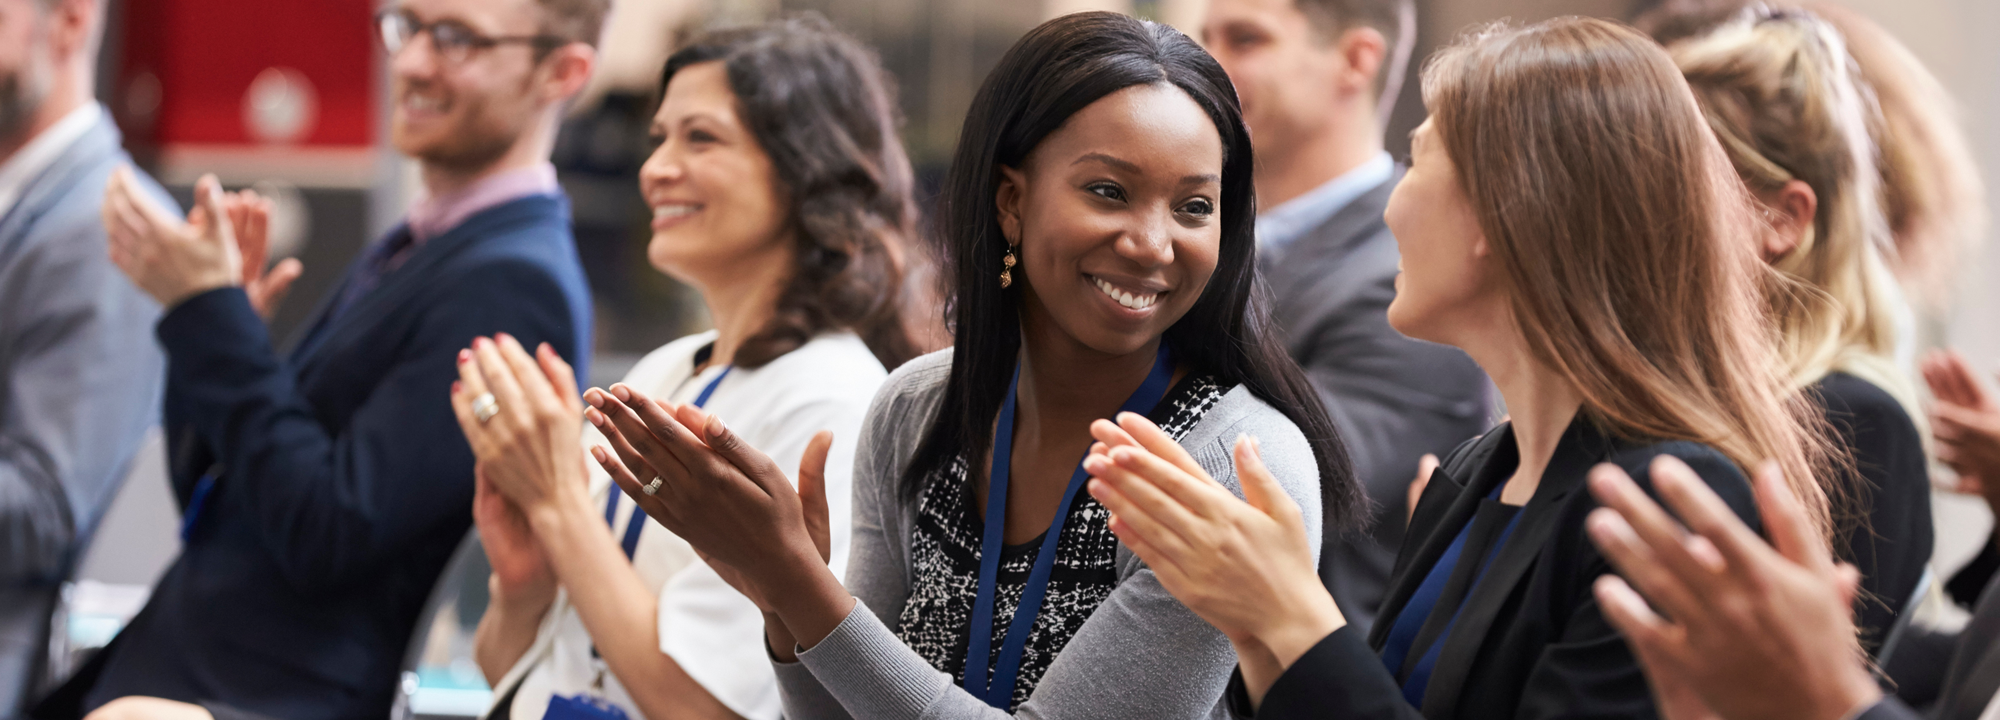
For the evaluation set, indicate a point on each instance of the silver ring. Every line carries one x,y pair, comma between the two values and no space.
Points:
485,407
652,488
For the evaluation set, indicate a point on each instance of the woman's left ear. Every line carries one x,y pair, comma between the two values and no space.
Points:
1793,208
1007,200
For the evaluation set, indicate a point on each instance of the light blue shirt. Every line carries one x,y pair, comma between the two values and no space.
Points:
1281,225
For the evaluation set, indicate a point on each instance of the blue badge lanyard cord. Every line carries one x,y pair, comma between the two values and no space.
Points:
637,521
999,690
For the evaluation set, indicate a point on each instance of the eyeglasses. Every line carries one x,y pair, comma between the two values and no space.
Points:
451,39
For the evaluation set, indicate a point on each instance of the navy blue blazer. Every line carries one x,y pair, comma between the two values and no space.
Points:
343,481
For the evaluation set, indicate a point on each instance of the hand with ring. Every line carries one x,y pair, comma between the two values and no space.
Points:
731,503
522,417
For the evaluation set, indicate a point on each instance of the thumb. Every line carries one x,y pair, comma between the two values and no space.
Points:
1847,581
268,291
812,493
1260,489
214,218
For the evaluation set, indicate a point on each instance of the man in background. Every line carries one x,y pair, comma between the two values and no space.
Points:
1316,78
79,372
323,491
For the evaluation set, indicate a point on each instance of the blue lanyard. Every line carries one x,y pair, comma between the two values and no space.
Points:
637,521
999,691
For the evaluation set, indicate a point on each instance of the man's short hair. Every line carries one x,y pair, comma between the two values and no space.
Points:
1395,19
574,20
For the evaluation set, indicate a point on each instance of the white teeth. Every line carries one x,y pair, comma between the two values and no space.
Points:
673,211
1135,302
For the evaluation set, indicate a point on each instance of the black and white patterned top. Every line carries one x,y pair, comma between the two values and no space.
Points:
944,555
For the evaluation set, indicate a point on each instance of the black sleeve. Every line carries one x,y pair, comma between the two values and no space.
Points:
1889,709
1341,677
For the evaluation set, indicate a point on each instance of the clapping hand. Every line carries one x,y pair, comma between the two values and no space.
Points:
169,259
250,218
1966,424
1743,629
521,415
1245,567
727,499
522,575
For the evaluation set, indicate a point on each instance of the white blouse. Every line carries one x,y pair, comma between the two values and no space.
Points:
712,631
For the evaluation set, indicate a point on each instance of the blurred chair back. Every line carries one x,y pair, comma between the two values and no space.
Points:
1901,627
439,679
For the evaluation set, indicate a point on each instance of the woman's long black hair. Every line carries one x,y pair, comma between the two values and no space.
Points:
1054,71
820,105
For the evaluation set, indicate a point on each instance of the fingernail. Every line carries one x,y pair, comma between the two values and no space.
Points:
715,428
544,348
597,452
595,397
624,394
595,417
508,338
455,386
464,356
482,342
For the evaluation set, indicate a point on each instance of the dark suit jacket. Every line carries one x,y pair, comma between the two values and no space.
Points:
1973,676
1894,486
79,386
1393,398
1530,641
344,481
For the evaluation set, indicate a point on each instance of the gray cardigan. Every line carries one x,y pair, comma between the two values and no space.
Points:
1140,655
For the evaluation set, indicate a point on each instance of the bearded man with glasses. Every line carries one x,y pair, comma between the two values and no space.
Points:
324,489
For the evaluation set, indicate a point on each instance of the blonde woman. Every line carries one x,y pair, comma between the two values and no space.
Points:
1782,95
1618,313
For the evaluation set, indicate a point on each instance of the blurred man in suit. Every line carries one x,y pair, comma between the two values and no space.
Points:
1316,79
324,490
79,372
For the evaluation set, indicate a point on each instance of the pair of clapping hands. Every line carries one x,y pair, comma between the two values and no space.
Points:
682,466
224,242
1757,632
1965,421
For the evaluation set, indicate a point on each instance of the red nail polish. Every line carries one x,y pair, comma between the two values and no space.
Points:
455,387
464,356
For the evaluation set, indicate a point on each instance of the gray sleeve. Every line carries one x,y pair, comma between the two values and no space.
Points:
81,384
1142,654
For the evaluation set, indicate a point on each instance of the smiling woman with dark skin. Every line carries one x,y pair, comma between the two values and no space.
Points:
1097,235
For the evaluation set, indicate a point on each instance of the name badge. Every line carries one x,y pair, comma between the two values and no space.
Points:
582,707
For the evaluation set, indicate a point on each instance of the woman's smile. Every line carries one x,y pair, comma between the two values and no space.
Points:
1135,297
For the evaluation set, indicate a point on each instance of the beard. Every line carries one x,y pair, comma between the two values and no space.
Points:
478,135
22,91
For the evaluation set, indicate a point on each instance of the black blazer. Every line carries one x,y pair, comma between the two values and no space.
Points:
344,481
1530,641
1892,482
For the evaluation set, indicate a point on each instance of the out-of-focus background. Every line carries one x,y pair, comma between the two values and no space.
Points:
290,97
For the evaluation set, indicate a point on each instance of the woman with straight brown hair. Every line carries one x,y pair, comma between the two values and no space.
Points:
1569,221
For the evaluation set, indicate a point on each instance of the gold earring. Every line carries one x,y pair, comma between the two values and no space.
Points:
1007,268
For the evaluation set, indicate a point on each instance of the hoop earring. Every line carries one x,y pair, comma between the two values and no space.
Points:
1007,268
